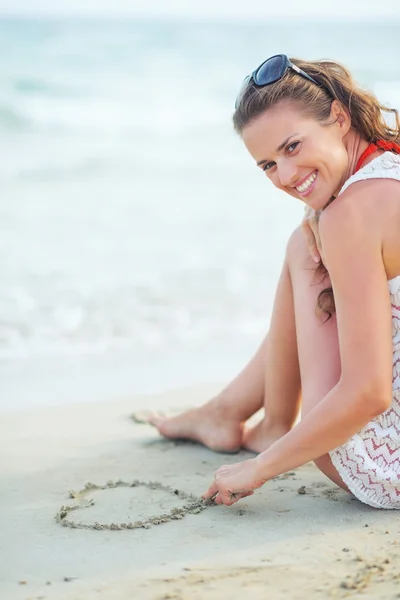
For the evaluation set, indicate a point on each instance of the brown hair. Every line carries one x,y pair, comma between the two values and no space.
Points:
336,83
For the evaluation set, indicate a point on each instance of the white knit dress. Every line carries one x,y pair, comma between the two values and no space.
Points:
369,462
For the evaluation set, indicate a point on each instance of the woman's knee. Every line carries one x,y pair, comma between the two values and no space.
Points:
297,252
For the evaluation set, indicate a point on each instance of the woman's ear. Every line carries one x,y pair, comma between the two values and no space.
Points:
341,117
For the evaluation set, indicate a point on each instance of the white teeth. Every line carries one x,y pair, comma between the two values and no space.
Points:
304,186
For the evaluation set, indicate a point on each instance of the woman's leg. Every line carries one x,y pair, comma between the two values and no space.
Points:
298,348
271,379
317,341
317,348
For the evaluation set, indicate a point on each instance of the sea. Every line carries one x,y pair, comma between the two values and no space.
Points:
131,215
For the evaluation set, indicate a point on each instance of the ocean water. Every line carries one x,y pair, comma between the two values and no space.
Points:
131,216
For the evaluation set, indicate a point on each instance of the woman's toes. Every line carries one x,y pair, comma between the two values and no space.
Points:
155,419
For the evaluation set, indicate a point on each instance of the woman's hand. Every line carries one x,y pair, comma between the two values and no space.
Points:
233,482
309,226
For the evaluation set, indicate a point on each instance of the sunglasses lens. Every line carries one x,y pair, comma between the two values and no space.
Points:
270,71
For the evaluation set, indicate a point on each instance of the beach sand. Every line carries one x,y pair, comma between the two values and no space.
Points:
297,537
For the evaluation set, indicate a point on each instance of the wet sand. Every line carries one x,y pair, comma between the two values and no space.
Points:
140,530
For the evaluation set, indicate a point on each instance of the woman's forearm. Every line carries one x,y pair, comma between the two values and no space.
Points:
331,423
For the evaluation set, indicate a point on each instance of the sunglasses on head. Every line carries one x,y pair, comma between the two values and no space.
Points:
271,71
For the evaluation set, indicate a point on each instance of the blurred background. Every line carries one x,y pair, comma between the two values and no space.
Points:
139,245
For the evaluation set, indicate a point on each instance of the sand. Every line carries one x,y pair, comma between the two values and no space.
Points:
299,537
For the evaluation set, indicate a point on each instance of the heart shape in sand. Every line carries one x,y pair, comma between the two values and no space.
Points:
121,505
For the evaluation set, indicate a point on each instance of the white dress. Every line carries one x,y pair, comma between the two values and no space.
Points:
369,462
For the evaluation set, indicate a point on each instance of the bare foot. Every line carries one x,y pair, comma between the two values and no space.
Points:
261,436
207,424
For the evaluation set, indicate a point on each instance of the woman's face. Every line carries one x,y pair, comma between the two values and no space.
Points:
301,156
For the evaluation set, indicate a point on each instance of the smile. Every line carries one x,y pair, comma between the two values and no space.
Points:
306,186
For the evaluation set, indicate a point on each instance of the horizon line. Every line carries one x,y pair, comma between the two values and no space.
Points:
102,15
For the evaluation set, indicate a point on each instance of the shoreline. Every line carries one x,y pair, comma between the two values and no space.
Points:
49,381
299,535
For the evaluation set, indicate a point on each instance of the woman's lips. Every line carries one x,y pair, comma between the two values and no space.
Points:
308,184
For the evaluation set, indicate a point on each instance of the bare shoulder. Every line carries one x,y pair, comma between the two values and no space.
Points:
363,209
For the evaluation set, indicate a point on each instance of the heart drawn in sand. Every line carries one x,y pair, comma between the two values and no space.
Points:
118,497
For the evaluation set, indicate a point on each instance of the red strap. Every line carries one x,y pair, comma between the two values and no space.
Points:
381,145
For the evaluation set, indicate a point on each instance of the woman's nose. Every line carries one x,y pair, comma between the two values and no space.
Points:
288,174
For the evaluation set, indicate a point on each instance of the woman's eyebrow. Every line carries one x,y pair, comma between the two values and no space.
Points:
279,148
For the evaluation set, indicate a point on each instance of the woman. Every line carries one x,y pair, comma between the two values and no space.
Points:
334,341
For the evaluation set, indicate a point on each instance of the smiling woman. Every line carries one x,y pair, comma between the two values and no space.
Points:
310,106
325,142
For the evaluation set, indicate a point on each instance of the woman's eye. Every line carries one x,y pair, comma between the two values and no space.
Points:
292,147
289,149
268,166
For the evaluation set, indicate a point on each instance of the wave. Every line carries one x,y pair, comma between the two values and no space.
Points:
12,119
28,86
96,115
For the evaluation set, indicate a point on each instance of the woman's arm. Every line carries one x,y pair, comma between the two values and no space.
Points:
352,243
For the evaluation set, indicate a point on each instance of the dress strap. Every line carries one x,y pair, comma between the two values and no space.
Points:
378,145
384,166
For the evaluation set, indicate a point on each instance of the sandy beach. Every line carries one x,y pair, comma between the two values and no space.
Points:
297,537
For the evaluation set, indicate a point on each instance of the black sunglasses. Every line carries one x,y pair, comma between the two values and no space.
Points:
271,71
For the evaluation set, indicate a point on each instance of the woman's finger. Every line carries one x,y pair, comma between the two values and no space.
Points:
228,498
211,492
311,241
